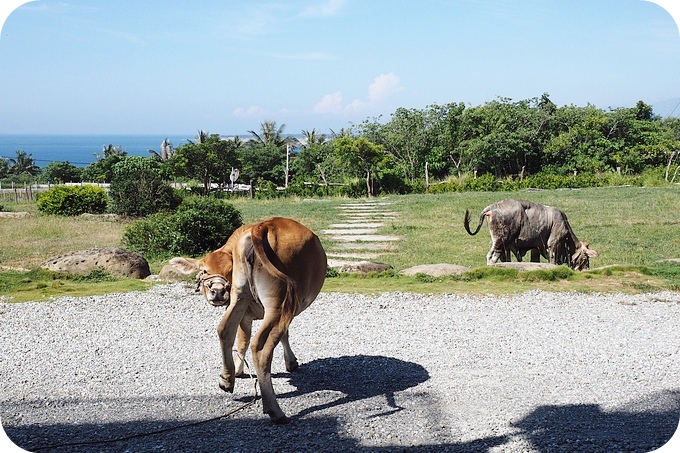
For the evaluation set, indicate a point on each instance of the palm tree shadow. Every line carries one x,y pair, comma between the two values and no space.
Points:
357,377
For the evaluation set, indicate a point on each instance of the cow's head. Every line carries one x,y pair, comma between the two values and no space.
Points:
213,275
580,260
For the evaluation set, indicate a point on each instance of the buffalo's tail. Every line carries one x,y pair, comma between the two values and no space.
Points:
466,222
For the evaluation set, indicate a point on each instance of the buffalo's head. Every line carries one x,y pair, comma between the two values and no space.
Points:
580,260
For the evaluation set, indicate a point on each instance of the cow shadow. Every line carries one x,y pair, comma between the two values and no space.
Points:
357,377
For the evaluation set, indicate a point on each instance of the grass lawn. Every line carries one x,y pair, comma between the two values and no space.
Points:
632,229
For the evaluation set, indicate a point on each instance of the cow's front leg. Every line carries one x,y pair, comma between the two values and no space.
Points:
264,342
245,329
226,331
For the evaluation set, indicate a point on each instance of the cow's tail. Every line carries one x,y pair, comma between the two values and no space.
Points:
466,222
290,303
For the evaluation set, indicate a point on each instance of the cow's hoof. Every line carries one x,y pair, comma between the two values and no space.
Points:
226,385
292,366
282,420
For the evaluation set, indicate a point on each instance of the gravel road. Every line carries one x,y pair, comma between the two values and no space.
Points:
394,372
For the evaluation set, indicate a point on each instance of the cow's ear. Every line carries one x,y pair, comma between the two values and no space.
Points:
186,266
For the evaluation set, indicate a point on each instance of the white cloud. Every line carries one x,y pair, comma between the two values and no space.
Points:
252,111
330,103
383,87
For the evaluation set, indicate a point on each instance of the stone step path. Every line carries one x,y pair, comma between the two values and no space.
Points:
355,237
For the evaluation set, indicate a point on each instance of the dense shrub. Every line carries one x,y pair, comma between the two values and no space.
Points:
73,200
200,225
137,189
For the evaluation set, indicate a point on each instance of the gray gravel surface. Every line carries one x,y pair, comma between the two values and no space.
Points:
393,372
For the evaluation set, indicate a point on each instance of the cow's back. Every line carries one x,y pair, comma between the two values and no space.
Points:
295,251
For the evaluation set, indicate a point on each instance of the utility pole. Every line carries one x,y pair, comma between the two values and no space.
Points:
287,162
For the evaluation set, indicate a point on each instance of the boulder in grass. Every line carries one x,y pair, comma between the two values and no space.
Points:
435,270
364,267
526,265
116,261
171,274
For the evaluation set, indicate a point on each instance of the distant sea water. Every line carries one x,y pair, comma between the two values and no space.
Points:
80,150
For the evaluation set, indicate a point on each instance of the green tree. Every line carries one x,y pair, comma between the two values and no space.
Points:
209,160
60,172
503,137
315,162
137,189
445,132
23,164
4,167
263,162
404,138
360,155
101,170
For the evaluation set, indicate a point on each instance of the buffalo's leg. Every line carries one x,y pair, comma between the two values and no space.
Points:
535,256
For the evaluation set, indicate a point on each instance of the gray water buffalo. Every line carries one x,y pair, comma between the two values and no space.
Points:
519,226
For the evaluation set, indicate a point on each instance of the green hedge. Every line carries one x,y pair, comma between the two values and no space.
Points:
547,181
73,200
200,225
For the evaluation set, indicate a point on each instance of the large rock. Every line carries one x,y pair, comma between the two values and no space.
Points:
362,267
169,273
116,261
526,265
14,215
435,270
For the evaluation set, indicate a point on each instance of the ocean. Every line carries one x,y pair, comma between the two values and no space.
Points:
80,150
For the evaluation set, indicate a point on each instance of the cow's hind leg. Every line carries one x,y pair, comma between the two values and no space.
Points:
264,342
242,341
288,355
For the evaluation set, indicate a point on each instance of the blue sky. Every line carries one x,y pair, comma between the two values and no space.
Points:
169,67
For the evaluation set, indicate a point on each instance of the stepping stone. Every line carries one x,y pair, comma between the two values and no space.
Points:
358,256
350,231
363,246
365,238
356,225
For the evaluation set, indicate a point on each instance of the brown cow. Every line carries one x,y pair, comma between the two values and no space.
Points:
519,226
272,270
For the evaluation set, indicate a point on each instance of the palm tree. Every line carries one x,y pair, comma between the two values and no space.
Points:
23,164
312,137
166,153
201,137
270,134
110,150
